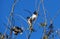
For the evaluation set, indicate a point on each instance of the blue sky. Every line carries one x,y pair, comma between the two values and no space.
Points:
52,7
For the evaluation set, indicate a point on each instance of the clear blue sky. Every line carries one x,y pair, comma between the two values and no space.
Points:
52,7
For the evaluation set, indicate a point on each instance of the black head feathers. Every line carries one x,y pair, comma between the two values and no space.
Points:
35,12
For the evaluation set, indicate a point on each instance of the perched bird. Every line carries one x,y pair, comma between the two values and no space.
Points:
4,36
17,30
32,19
51,30
43,24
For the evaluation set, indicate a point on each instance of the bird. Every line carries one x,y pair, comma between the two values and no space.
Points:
43,24
17,30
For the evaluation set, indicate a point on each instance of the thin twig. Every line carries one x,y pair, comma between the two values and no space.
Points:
44,11
11,15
